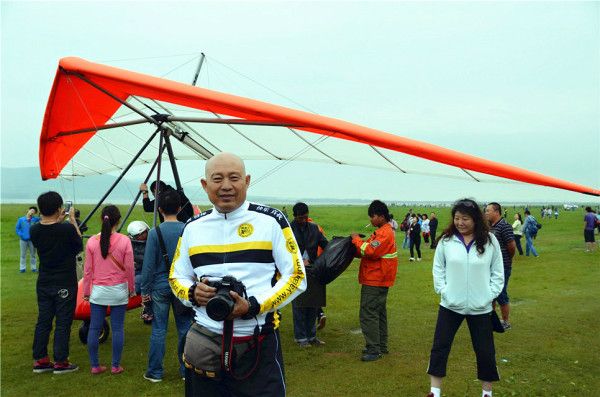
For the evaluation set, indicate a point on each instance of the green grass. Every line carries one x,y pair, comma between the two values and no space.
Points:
552,350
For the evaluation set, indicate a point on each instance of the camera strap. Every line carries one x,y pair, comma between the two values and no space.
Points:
228,349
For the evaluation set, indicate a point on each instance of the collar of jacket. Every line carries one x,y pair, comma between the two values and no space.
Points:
380,228
233,214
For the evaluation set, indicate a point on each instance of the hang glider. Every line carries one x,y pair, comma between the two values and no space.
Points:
94,102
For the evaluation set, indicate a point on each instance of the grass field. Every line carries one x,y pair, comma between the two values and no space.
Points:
552,350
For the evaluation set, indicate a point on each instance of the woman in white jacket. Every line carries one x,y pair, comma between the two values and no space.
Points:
468,274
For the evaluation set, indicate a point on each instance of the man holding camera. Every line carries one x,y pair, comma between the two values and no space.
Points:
244,247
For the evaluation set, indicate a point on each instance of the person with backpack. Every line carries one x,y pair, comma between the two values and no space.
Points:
160,249
530,228
108,280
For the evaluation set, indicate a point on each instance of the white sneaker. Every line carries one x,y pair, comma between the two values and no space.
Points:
412,259
418,259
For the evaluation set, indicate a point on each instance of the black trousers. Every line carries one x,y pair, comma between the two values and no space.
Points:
266,381
415,243
518,243
432,236
482,338
59,302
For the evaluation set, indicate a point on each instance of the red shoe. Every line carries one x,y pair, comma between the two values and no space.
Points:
43,365
98,370
64,367
116,370
430,395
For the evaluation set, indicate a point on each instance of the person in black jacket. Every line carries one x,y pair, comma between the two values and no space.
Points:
57,244
414,232
433,225
186,212
306,307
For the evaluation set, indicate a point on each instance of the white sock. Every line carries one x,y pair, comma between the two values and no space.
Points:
486,393
437,392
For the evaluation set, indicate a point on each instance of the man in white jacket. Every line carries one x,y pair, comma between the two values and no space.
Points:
254,244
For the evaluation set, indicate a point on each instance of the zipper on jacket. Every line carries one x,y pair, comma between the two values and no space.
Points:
226,240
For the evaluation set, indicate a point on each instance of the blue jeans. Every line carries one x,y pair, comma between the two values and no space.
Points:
117,319
503,298
305,323
27,246
529,245
406,241
162,300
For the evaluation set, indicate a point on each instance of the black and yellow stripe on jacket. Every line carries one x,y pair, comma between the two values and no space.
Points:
255,245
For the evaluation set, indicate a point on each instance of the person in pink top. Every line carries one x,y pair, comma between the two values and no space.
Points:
108,280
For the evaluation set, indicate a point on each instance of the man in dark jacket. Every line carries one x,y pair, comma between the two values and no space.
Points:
57,244
307,305
433,225
186,212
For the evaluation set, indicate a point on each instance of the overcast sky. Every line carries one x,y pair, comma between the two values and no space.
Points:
512,82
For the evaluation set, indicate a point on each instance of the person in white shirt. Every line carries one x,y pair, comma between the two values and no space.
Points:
518,231
425,228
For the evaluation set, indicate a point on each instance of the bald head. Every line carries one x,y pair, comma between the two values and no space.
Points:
228,160
225,181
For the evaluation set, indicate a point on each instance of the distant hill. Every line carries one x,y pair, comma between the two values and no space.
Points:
25,184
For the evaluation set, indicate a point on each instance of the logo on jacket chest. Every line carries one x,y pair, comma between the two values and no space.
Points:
245,230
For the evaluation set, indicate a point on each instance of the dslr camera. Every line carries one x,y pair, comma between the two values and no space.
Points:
221,305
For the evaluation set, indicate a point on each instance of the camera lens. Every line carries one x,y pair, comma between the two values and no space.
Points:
219,307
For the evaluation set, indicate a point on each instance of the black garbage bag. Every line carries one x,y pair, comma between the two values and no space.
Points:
336,258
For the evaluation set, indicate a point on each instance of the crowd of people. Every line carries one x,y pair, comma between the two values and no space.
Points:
227,271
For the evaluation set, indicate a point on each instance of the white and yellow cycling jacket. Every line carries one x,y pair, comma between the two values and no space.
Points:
254,244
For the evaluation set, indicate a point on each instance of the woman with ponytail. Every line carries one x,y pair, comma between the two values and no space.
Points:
108,281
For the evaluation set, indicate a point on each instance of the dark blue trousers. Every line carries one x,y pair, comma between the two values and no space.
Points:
54,302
